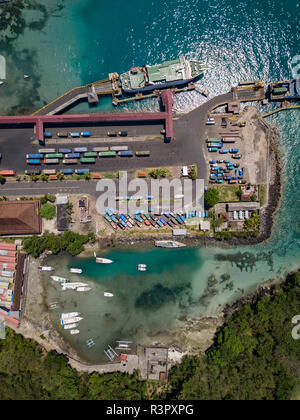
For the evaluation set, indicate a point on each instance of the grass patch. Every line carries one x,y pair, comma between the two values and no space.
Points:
228,193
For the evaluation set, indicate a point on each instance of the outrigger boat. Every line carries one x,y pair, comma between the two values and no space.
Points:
59,279
102,260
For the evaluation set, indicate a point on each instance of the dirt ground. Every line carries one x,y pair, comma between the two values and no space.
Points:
253,145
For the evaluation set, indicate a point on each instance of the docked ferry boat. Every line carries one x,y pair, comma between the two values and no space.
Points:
168,74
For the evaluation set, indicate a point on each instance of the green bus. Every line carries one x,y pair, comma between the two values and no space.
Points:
143,153
90,154
54,156
87,160
107,154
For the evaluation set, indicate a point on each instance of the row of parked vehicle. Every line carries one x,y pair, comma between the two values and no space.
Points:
150,219
66,134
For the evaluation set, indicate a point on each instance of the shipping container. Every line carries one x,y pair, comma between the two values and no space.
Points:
143,153
87,160
118,148
126,153
35,156
72,156
70,161
7,172
80,149
54,156
82,171
49,171
45,151
33,161
100,149
90,154
51,161
67,171
107,154
65,151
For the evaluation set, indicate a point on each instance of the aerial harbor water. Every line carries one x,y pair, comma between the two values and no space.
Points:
238,41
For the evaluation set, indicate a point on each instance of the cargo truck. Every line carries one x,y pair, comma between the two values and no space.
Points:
35,156
33,161
142,153
51,161
126,153
82,171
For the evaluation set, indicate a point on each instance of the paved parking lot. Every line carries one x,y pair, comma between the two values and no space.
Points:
15,143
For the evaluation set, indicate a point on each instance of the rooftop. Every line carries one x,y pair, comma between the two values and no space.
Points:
20,217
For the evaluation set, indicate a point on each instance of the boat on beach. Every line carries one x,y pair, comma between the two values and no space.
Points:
100,260
76,270
73,286
70,320
73,332
68,315
169,244
83,289
59,279
70,326
45,268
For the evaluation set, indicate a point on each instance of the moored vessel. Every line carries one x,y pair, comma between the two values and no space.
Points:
68,315
168,74
59,279
108,294
74,332
76,270
169,244
100,260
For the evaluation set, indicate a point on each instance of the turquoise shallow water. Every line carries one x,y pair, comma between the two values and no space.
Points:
83,41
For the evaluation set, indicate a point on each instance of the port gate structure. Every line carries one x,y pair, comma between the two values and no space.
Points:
38,121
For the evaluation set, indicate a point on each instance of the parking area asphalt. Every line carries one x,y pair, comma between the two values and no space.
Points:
15,143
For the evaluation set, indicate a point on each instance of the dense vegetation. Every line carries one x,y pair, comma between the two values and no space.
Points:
254,357
69,241
211,197
48,211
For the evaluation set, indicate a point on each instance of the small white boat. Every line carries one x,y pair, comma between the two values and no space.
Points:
68,315
73,332
142,267
1,83
26,76
71,320
45,268
100,260
83,289
76,270
59,279
107,294
73,286
70,326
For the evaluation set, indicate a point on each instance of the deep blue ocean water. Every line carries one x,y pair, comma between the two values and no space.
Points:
239,40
